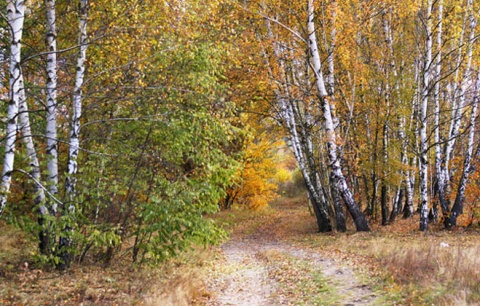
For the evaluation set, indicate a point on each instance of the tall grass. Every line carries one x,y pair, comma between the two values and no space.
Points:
449,275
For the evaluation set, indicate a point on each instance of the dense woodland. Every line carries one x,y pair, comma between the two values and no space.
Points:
126,123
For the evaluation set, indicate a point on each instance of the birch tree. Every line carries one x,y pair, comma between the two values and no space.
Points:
390,64
74,143
331,141
436,124
15,20
295,120
468,168
443,154
427,63
51,97
45,236
331,49
287,67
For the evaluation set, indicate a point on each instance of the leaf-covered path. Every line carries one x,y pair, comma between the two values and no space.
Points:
260,268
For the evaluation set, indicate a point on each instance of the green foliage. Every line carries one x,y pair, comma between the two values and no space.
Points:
156,132
162,172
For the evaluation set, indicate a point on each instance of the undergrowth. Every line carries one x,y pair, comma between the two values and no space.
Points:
22,282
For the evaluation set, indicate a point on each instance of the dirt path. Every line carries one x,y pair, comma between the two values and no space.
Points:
258,269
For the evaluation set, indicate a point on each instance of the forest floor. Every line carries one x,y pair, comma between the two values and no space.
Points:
273,257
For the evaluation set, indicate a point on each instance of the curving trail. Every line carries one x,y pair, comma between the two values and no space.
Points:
250,272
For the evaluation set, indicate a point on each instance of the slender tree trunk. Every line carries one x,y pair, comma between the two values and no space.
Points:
440,179
409,208
424,200
72,165
370,199
384,203
317,196
3,59
413,126
15,19
337,204
397,203
405,188
389,65
384,188
336,171
331,51
51,132
46,237
299,138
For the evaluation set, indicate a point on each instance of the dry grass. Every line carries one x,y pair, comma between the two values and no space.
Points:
180,290
409,267
178,282
444,269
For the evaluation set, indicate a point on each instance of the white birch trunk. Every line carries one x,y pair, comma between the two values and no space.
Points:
457,208
414,123
72,165
390,61
436,96
46,239
51,86
15,19
302,149
331,51
424,200
3,58
24,126
336,171
409,209
315,193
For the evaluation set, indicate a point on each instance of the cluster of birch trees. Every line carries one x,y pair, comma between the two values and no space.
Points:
18,124
379,102
119,138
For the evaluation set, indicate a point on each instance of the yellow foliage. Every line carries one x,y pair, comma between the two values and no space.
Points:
255,187
283,175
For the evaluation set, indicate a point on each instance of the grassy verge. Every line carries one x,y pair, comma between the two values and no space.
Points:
178,282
